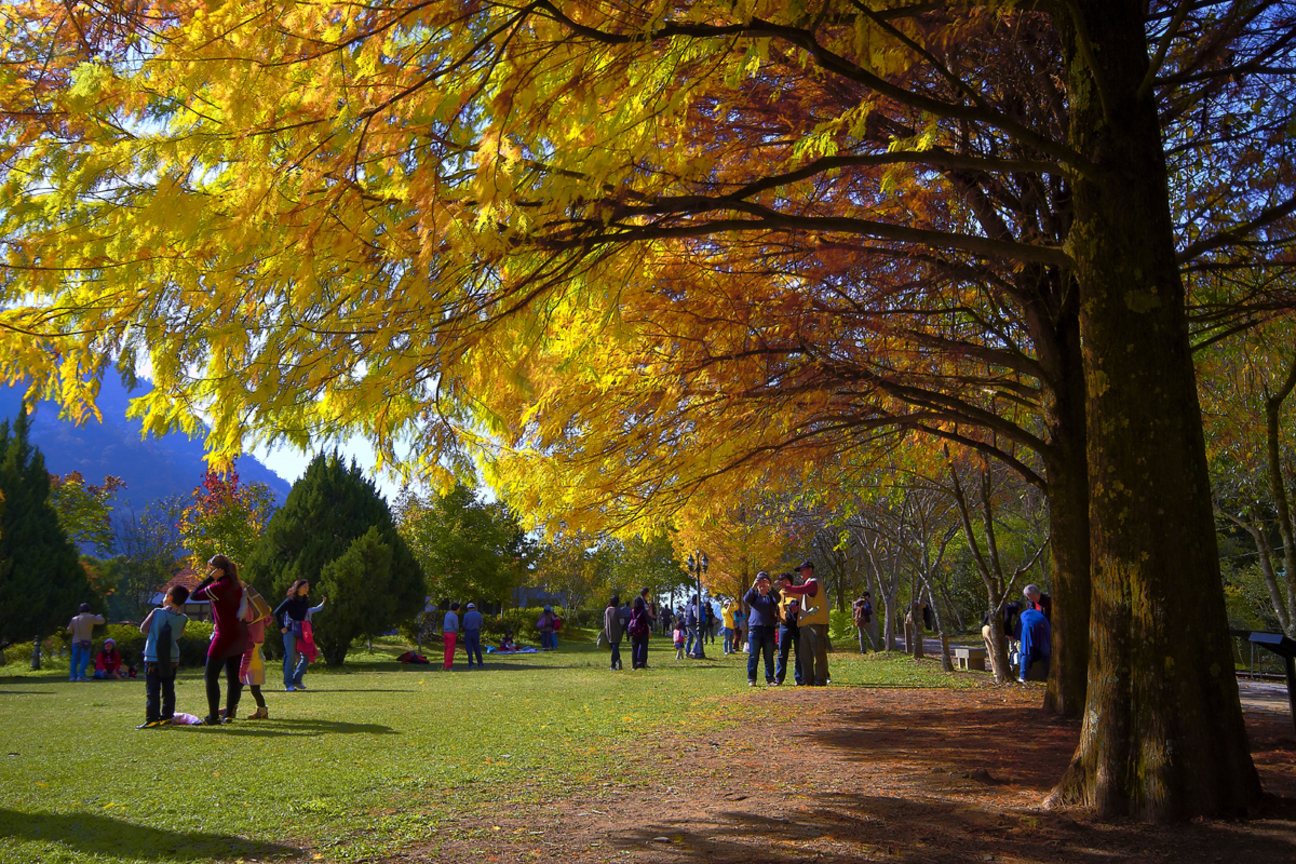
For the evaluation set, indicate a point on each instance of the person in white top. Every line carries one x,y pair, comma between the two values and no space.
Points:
81,627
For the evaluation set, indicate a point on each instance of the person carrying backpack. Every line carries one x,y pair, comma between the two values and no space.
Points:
863,616
640,628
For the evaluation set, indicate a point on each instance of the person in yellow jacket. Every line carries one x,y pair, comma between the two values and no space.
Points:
813,621
727,626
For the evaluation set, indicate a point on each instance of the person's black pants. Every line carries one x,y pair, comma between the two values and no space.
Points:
639,652
155,684
233,687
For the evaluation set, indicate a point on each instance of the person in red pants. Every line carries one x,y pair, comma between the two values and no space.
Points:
450,632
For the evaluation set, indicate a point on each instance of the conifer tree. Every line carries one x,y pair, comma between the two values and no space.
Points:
327,511
41,578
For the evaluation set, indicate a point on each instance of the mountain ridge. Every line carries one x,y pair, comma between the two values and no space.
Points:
152,467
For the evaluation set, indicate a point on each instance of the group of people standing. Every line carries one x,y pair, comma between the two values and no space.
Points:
633,621
795,620
239,618
792,618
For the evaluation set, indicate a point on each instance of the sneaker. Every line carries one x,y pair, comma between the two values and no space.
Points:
776,683
210,721
751,683
769,682
151,724
290,688
299,685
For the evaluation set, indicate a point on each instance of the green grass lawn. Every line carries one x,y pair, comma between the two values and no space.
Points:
373,756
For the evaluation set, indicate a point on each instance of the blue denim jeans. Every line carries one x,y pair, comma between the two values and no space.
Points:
472,644
761,642
80,660
692,631
789,640
727,632
294,664
616,655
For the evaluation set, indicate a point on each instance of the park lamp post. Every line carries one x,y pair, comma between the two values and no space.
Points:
698,568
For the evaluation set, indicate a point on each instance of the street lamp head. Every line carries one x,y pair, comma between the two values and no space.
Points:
690,563
703,559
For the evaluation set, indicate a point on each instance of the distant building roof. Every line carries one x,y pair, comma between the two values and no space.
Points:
188,577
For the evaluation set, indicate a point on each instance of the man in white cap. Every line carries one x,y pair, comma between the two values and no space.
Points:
813,621
472,624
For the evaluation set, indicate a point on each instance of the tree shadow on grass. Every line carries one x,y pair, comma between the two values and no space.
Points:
91,834
290,728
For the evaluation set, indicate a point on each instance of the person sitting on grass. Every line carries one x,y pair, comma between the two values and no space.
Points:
163,628
507,643
108,663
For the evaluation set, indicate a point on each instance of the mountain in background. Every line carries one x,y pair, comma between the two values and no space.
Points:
152,467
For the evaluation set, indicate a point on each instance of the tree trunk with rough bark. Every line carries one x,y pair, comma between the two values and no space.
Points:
1163,736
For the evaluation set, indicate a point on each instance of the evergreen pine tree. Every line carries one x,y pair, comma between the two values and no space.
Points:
328,510
41,578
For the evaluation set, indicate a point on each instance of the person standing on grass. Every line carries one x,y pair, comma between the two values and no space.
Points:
640,628
691,626
727,625
82,629
740,621
789,639
650,607
159,672
252,666
472,624
291,616
224,591
450,633
612,630
545,624
679,637
862,614
814,625
763,602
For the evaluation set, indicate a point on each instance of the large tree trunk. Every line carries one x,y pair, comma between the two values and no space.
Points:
1163,736
1069,522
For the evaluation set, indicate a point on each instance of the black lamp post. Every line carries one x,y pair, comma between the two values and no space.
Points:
698,567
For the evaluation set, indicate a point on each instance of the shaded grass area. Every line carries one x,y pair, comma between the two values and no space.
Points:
375,755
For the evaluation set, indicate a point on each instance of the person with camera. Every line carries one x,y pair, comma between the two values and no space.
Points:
762,620
814,625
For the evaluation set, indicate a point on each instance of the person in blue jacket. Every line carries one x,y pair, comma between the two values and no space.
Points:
762,621
1036,638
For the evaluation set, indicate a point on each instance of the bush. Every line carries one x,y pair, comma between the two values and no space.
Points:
841,626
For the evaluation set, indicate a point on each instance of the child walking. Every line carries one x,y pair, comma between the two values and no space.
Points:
252,668
679,638
163,628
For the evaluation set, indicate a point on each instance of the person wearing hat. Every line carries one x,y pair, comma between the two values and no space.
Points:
472,624
108,663
813,621
764,617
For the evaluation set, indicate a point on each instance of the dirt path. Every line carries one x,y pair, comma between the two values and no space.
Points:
873,775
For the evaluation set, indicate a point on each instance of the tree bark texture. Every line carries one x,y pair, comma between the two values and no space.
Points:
1163,737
